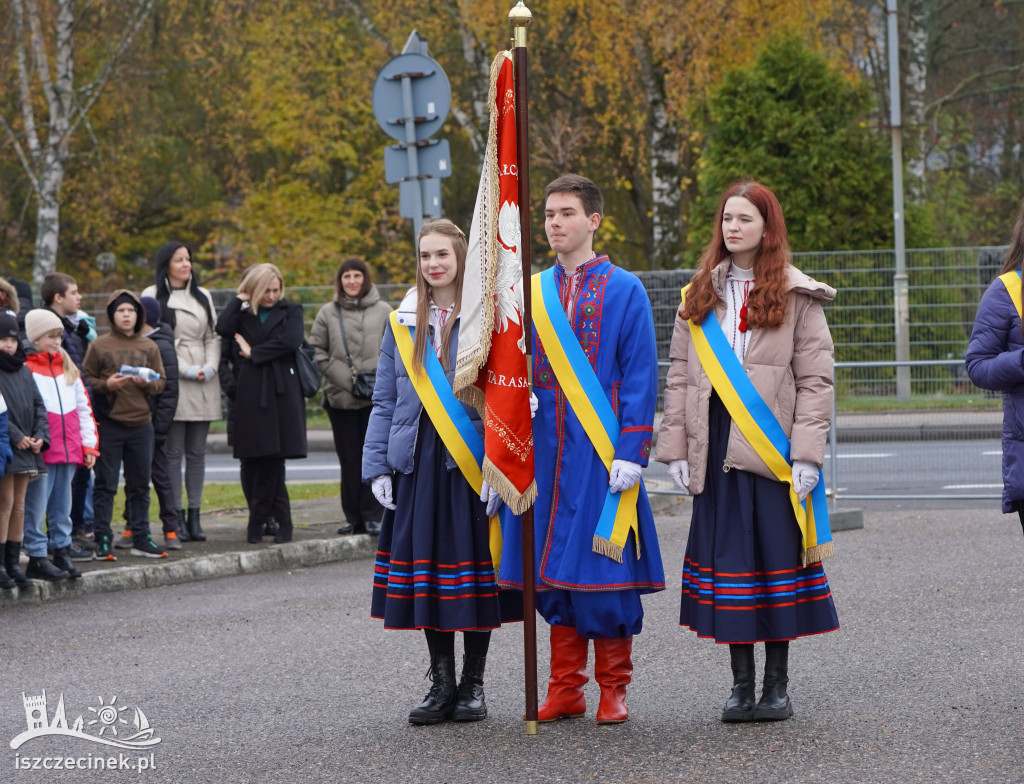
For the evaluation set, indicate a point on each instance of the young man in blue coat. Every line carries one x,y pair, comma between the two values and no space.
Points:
589,588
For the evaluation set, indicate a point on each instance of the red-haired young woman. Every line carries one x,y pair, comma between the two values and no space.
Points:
743,581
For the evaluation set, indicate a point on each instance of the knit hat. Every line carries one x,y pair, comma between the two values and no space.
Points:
8,325
152,310
40,321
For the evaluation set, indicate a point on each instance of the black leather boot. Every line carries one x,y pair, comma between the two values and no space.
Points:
254,532
183,533
740,705
11,552
195,531
373,527
271,527
284,532
469,702
440,700
775,704
5,580
62,560
42,569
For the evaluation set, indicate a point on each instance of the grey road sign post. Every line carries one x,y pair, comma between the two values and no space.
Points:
411,99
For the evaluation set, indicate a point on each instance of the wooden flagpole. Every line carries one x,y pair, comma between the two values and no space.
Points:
521,17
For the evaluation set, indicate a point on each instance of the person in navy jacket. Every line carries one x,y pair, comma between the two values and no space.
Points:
995,360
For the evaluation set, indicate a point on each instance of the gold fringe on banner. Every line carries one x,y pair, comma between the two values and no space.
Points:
517,503
473,357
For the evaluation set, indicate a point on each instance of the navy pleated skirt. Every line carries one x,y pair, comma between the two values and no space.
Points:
433,567
742,579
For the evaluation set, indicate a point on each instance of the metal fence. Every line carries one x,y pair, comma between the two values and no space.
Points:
947,419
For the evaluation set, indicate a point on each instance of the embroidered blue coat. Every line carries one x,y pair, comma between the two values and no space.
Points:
613,321
994,361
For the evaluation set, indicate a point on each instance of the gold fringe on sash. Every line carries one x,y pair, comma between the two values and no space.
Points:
604,547
817,553
608,549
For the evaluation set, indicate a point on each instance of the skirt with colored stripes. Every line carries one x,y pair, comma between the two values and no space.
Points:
433,567
742,579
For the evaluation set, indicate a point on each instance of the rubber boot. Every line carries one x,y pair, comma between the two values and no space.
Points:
740,705
195,531
775,704
12,550
565,698
469,702
183,533
613,670
440,700
40,568
5,579
62,560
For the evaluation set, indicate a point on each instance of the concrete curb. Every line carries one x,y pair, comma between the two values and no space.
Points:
293,555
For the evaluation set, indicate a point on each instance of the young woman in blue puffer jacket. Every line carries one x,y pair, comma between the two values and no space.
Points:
995,360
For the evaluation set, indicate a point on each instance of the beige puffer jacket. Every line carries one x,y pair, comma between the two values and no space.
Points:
791,367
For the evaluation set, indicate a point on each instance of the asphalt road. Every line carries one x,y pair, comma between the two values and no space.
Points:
935,469
282,677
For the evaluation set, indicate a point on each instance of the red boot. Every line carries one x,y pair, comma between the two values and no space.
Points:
565,698
613,670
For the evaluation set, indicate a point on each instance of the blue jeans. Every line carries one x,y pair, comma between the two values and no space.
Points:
49,498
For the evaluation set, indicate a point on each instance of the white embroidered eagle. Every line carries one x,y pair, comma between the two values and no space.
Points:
508,276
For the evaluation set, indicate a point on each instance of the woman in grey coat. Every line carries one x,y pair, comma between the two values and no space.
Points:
358,305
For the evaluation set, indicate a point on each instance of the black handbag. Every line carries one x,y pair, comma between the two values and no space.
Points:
362,380
305,366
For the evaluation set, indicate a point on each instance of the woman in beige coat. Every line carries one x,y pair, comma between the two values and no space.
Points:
356,302
743,579
188,309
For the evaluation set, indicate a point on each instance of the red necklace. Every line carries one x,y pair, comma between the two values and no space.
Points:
743,308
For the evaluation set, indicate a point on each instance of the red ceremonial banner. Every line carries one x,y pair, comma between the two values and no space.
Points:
494,376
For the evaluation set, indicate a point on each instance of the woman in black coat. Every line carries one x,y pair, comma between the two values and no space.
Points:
268,407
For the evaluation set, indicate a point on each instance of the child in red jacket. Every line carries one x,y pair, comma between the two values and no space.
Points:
73,443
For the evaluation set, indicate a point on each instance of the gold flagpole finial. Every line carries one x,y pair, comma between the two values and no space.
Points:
520,17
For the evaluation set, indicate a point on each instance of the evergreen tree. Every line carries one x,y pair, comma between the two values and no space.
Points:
797,123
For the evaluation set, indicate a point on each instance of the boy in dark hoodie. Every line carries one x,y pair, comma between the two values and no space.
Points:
125,421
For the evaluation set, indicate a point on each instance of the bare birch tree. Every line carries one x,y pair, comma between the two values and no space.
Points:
45,57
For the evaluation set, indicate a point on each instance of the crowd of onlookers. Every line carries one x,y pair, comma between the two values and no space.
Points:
82,404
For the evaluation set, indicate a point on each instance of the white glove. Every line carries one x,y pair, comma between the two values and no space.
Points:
805,477
679,470
490,497
623,475
191,372
534,405
381,487
209,371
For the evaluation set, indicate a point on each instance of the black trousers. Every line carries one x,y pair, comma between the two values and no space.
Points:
131,446
357,501
164,491
266,493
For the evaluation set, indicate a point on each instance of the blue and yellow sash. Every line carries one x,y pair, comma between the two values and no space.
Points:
1012,282
584,393
762,430
453,424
